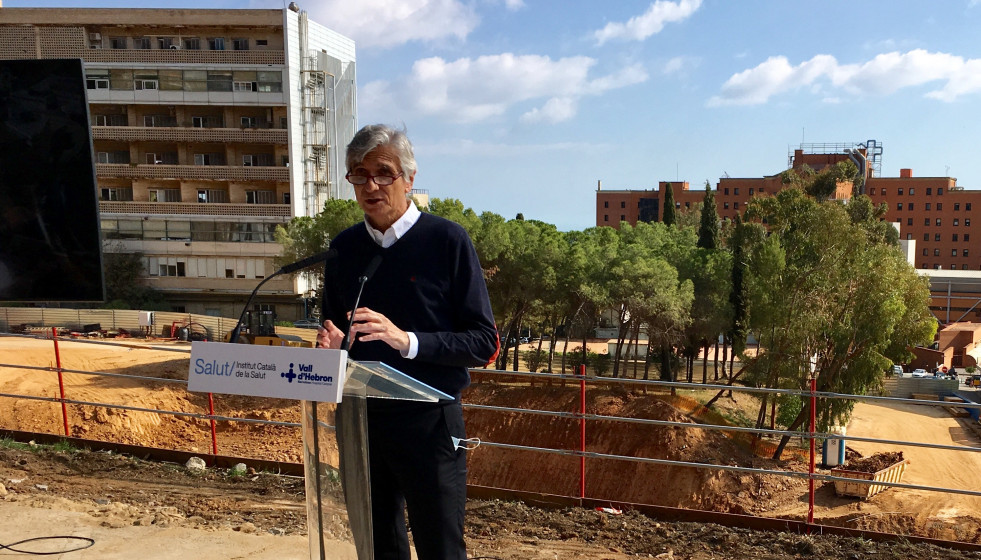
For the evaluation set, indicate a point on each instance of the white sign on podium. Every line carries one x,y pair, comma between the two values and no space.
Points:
285,372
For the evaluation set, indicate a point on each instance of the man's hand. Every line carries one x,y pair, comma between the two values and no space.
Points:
372,325
329,336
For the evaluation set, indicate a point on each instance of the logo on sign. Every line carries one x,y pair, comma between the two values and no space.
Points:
289,375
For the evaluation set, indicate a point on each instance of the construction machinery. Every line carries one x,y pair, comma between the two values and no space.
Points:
260,328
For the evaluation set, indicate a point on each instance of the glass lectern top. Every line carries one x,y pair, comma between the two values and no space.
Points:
379,380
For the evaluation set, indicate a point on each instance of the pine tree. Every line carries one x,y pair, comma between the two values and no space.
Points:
708,230
668,217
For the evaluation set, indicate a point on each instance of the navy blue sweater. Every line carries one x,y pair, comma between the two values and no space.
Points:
429,282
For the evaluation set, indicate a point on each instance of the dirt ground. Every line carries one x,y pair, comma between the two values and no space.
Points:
116,499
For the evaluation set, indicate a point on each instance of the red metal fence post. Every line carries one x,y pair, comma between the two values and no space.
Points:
810,478
214,435
61,381
582,431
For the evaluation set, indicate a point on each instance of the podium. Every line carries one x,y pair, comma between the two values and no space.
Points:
363,380
315,377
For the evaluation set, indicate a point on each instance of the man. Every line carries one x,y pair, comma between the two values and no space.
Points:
425,312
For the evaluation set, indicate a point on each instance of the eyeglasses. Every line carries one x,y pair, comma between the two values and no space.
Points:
380,180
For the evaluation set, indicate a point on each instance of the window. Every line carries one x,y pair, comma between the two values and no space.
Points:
212,195
927,205
936,237
938,221
688,205
216,43
955,237
900,191
909,236
240,44
936,267
97,79
249,160
260,197
964,267
926,237
929,191
165,195
956,221
623,218
735,205
725,205
270,82
121,156
940,191
109,120
924,251
910,206
124,194
165,43
159,120
261,42
249,122
195,80
957,206
953,252
940,206
219,80
967,237
117,42
141,42
909,221
286,199
911,191
170,80
967,206
936,252
751,191
899,206
965,252
735,190
967,221
726,191
176,269
623,204
926,221
243,86
120,79
145,84
606,204
192,43
212,158
606,218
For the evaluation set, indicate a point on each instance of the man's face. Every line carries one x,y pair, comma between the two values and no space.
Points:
382,205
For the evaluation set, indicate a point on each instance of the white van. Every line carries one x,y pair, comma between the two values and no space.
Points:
897,370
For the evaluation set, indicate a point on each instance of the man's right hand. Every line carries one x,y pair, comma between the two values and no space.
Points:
329,336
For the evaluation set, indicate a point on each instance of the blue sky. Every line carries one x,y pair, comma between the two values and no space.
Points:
523,105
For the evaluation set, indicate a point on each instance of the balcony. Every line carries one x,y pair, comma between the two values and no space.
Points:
195,208
183,134
205,172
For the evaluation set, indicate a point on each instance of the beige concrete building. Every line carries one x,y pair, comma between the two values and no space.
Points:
210,128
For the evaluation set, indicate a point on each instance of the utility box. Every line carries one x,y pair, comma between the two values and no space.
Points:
834,448
146,318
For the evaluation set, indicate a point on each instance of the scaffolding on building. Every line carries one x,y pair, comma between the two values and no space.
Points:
870,149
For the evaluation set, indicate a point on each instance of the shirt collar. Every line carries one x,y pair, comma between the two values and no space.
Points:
398,229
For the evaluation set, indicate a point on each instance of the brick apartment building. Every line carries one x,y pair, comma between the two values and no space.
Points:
935,217
210,128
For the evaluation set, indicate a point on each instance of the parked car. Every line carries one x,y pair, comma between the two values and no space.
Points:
897,370
920,372
308,323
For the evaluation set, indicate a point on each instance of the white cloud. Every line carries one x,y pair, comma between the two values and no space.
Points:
555,110
477,89
650,22
514,5
388,23
883,75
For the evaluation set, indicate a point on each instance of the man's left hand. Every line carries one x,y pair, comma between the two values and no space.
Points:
372,325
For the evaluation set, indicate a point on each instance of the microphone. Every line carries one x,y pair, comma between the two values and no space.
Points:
292,267
309,261
369,271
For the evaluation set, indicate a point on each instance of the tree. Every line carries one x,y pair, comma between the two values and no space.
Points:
668,217
126,284
820,285
708,230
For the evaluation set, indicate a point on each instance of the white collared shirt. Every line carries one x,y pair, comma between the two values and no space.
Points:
386,240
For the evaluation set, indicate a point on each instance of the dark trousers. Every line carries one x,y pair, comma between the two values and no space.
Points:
414,466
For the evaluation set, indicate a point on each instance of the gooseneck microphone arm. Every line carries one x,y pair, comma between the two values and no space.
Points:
292,267
369,271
